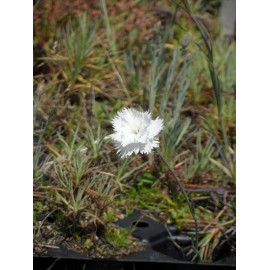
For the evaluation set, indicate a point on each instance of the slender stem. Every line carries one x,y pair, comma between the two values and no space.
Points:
191,208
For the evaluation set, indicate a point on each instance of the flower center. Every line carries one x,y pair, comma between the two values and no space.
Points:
136,131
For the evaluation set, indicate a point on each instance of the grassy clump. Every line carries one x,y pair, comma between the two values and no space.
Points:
86,69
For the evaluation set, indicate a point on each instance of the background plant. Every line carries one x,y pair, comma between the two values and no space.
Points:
88,65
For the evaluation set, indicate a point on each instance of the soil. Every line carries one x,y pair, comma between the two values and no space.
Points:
48,238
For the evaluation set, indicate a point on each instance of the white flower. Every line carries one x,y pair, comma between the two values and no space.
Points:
135,131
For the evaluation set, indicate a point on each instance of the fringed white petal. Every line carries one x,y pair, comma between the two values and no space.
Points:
135,132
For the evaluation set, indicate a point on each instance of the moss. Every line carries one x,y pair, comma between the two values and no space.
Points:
118,237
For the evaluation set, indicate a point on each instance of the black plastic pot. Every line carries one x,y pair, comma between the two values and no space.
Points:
162,251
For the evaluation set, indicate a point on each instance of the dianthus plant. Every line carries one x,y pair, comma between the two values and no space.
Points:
136,132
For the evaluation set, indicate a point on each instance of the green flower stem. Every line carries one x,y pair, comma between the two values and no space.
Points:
191,208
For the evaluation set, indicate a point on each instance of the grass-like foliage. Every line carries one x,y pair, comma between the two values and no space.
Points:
89,64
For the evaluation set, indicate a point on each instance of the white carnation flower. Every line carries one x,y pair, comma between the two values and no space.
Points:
135,132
